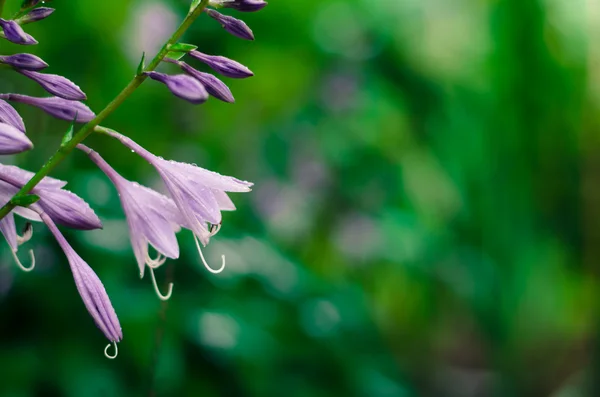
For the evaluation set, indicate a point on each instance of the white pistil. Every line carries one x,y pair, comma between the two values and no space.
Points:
160,296
210,269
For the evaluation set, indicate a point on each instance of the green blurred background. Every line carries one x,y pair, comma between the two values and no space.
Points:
425,219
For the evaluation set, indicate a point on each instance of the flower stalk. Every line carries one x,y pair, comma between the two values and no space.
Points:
88,128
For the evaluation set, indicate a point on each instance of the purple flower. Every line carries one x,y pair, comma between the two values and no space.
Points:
240,5
182,86
24,61
89,286
198,193
19,177
13,140
222,65
9,115
232,25
9,230
35,15
14,32
152,218
56,85
57,107
213,85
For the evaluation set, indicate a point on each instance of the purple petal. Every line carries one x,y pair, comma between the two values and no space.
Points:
12,140
182,86
225,66
9,115
57,107
244,5
14,32
24,61
56,85
67,209
9,230
232,25
213,85
37,14
19,177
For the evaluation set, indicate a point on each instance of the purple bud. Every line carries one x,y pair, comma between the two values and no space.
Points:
213,85
9,115
14,32
222,65
35,15
24,61
56,85
234,26
57,107
182,86
243,5
12,140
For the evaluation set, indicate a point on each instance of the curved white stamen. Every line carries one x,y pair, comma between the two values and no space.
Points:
27,234
116,351
210,269
160,296
214,229
155,263
25,269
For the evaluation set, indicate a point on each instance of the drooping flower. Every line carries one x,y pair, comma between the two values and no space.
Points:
200,195
60,108
24,61
232,25
9,115
89,286
182,86
213,85
153,219
13,32
56,85
13,140
240,5
225,66
37,14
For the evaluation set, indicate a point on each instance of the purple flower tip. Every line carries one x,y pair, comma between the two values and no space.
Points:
24,61
240,5
35,15
182,86
213,85
57,107
14,32
13,140
9,115
222,65
232,25
56,85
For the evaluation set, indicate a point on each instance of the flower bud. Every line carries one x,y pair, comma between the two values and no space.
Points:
232,25
12,140
9,115
56,85
24,61
13,32
182,86
37,14
240,5
222,65
56,107
213,85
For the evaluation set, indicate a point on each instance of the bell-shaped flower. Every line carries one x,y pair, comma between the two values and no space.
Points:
232,25
213,85
24,61
182,86
37,14
225,66
56,85
9,115
89,286
153,219
60,108
13,140
13,32
200,195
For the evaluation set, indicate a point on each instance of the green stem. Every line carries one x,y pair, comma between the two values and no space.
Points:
87,129
1,7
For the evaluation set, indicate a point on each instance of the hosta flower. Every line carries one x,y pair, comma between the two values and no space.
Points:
37,14
9,115
182,86
152,218
240,5
232,25
56,85
14,32
89,286
13,140
9,230
24,61
213,85
200,195
60,108
225,66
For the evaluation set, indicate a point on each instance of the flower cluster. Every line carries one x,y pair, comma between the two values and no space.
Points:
195,196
